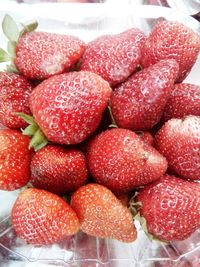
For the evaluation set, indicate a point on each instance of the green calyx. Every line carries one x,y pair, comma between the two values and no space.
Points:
38,139
12,33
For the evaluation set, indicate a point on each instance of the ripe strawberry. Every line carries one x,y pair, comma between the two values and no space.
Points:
146,137
42,218
58,170
68,107
184,100
14,97
101,214
40,55
121,161
172,40
15,158
114,57
139,102
171,207
179,141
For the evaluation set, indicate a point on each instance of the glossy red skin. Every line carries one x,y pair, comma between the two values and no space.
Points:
15,157
101,214
171,207
138,103
172,40
40,55
114,57
184,100
121,161
15,92
68,107
41,218
58,170
179,141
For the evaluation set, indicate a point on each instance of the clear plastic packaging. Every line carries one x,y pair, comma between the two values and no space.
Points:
88,22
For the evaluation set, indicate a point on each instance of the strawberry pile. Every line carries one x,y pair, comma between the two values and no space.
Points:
99,134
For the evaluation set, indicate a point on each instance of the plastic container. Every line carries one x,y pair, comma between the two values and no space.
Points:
89,21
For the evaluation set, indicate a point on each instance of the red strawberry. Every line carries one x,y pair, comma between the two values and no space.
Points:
179,141
114,57
172,40
139,102
15,158
58,170
101,214
68,107
42,218
184,100
14,97
146,137
40,55
171,208
121,161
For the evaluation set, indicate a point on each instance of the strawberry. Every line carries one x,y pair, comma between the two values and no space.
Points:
179,141
171,208
184,100
139,102
58,170
39,55
172,40
40,217
121,161
15,91
101,214
68,107
146,137
114,57
15,157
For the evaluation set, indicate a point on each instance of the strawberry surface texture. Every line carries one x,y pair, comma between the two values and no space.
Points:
40,55
42,218
101,214
15,157
97,135
114,57
172,40
15,92
121,161
68,107
171,207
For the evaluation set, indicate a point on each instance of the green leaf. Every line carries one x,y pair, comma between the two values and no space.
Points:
38,141
4,57
12,68
29,27
10,28
30,130
27,118
11,48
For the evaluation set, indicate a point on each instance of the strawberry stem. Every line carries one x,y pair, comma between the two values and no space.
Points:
113,123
